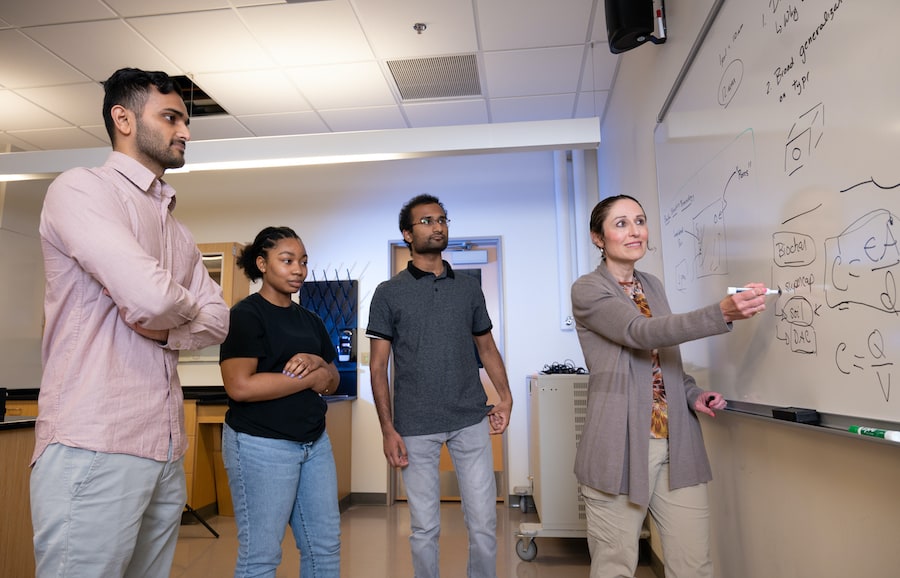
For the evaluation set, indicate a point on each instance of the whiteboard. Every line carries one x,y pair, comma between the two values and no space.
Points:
779,161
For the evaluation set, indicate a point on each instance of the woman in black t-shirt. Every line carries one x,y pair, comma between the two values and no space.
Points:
276,363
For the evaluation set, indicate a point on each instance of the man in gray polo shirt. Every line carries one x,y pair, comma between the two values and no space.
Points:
428,317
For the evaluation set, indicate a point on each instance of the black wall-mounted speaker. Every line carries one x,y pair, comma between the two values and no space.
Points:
629,23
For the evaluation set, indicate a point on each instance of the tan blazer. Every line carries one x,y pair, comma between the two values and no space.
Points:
616,339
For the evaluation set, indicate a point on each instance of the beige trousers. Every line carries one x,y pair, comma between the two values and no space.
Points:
682,517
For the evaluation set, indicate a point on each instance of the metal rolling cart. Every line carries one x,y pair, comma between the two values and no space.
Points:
557,409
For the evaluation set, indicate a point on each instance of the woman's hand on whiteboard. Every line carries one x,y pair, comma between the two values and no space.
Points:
708,401
744,304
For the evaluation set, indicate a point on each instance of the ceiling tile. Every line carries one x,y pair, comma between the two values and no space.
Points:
16,143
446,113
283,124
33,64
16,113
599,33
533,72
252,92
533,23
309,67
450,27
216,127
99,131
354,119
591,103
79,104
59,138
305,34
39,12
204,41
600,68
532,108
102,56
144,8
343,85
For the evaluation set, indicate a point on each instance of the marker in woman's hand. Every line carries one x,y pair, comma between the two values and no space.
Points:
736,290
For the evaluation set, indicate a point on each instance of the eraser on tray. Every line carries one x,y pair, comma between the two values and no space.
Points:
796,414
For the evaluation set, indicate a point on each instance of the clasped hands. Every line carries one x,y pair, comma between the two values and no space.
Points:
302,364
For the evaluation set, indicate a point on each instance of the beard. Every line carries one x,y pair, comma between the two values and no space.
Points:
429,246
150,144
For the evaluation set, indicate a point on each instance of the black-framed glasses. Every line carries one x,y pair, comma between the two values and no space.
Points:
428,221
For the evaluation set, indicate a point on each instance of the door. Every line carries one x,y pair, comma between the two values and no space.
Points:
480,258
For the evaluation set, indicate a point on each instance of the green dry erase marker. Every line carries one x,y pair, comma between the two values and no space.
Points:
885,434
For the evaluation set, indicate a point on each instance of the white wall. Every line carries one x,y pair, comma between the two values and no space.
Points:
21,284
347,214
786,501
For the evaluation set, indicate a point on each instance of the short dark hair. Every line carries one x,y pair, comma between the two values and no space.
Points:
406,211
130,87
265,240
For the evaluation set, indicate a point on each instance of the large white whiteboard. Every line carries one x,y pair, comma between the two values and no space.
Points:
779,161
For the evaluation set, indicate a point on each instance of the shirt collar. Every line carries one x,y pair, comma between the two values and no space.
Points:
418,273
140,176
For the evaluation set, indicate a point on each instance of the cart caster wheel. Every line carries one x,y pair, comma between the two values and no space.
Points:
526,549
523,504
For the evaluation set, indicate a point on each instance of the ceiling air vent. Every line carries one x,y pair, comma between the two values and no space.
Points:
197,102
438,77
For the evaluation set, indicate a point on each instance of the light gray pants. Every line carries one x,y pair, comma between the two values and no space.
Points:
682,517
109,515
470,449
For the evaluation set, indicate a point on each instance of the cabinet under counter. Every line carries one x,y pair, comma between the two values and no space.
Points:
16,545
204,414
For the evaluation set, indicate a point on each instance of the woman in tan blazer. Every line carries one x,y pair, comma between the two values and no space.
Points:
642,447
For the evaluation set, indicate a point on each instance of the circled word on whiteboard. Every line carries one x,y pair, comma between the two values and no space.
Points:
731,81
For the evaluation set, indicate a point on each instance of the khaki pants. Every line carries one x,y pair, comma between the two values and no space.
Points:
682,517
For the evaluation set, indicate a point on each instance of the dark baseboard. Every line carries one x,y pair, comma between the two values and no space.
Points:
367,499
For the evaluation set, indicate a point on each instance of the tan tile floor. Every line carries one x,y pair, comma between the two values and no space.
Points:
374,545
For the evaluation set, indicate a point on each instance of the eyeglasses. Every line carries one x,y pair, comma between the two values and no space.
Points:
427,221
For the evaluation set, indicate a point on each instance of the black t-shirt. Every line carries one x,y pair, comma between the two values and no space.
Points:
273,335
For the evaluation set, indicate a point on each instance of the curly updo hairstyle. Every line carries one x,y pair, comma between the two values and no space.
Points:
265,240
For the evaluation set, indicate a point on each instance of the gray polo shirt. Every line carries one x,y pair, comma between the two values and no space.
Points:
430,321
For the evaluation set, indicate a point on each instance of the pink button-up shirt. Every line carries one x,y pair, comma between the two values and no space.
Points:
111,247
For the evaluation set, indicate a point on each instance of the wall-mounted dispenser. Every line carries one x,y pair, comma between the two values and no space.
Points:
347,345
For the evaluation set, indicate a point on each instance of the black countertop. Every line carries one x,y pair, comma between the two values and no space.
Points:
215,395
24,394
203,394
16,422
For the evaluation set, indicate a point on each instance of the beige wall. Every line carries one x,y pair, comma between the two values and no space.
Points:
786,501
347,215
21,284
792,501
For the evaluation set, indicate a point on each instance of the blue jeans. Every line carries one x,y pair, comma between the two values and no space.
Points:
470,449
277,482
